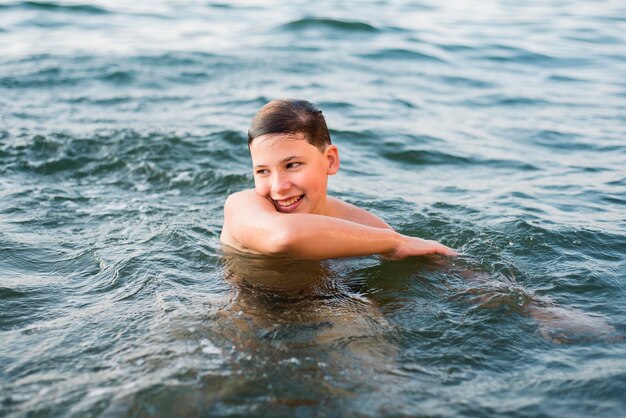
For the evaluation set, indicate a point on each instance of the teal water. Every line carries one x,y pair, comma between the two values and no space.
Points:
496,127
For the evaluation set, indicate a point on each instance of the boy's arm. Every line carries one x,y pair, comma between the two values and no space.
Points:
256,225
347,211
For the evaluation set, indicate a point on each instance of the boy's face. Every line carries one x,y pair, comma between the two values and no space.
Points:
292,173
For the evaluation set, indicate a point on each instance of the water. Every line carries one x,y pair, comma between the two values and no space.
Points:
495,127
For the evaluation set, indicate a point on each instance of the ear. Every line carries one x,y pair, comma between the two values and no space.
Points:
332,154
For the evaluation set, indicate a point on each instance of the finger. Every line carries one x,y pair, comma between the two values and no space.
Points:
450,252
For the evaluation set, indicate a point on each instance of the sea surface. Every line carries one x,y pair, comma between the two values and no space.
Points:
497,127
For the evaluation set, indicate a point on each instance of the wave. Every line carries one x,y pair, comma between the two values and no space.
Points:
432,157
566,141
56,7
564,78
331,24
457,47
496,100
466,82
181,58
401,54
421,157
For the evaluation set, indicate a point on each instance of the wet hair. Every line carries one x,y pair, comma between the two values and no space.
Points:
291,116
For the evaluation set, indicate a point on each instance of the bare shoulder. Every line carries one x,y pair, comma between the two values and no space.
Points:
246,204
349,212
239,208
248,195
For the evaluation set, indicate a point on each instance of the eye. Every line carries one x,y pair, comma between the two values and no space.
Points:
262,171
294,165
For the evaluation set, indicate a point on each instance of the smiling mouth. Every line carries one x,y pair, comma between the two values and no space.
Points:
286,203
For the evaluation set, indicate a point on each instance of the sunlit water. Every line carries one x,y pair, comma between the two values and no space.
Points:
496,127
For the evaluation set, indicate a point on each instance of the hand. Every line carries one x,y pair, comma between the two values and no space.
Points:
412,246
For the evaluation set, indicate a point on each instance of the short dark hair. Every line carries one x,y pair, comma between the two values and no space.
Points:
291,116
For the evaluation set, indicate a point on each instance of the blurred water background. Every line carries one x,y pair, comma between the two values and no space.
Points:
497,127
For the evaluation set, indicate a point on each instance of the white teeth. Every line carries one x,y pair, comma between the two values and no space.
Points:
288,202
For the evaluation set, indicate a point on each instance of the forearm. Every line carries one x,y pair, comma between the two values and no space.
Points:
318,237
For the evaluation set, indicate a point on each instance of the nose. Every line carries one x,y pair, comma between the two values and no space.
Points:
280,184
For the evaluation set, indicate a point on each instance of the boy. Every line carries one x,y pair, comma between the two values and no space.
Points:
289,212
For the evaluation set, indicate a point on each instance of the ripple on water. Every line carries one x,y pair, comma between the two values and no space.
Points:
35,279
91,71
157,161
497,132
